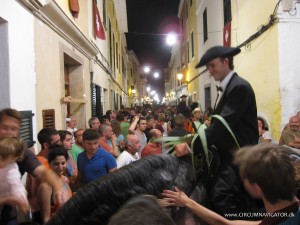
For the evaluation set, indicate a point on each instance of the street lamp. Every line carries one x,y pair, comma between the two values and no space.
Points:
179,77
146,69
156,75
171,39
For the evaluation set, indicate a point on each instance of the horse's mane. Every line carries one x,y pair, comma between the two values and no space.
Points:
98,200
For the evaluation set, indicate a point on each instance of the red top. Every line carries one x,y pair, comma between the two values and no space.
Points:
151,149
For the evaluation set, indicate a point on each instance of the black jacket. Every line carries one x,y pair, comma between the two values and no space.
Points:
238,107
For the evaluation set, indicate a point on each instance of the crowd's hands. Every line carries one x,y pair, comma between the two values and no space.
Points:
174,198
14,201
182,150
113,138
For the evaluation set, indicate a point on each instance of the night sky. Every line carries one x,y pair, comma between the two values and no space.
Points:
148,22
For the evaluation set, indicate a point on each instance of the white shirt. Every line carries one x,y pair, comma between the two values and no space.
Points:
226,80
124,159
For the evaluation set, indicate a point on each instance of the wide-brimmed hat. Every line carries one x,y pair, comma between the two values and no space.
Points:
215,52
183,96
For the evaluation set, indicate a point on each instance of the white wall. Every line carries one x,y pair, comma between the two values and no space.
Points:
289,66
21,72
215,37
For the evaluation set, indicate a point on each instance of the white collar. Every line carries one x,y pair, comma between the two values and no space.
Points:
226,80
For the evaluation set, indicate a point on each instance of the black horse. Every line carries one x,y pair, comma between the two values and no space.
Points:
95,203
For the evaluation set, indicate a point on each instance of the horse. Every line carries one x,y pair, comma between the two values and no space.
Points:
97,201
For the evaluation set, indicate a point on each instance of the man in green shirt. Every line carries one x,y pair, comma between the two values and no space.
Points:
77,148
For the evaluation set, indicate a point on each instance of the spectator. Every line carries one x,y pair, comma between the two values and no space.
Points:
152,146
291,137
161,125
120,142
77,148
94,162
48,138
94,123
124,124
197,116
143,209
149,126
106,135
264,135
182,108
58,157
129,154
140,124
179,122
71,165
71,124
105,120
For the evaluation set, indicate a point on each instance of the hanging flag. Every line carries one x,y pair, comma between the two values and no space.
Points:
227,34
98,27
74,8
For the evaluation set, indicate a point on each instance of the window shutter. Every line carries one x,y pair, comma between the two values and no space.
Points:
48,118
99,104
26,128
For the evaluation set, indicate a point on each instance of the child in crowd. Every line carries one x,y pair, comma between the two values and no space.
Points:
11,150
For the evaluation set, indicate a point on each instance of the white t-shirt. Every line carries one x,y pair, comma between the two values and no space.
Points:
124,159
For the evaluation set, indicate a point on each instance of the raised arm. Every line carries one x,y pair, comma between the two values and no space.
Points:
133,124
180,199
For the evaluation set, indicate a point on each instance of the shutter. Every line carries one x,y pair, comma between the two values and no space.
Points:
48,118
93,95
26,128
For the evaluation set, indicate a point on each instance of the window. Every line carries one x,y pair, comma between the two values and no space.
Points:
227,11
114,58
67,87
188,51
187,9
117,55
48,118
123,67
192,43
182,31
205,36
104,13
207,96
97,103
26,128
110,46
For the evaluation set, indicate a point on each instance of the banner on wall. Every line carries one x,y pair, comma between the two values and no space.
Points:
227,35
74,8
98,26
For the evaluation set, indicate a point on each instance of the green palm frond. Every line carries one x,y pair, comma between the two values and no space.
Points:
171,142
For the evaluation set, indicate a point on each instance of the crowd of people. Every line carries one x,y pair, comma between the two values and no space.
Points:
72,158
